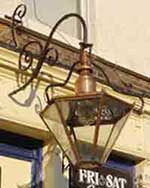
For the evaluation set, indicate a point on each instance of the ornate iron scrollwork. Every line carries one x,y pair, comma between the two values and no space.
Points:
16,18
26,56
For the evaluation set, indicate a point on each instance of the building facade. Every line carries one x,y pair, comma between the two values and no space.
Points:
29,156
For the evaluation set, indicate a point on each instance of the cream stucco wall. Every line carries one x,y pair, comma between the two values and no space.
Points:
120,32
14,173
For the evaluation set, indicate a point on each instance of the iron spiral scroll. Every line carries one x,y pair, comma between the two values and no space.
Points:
17,20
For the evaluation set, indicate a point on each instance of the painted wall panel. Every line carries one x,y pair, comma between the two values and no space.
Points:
123,33
15,173
132,136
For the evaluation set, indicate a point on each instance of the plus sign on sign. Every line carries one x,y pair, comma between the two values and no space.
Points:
101,177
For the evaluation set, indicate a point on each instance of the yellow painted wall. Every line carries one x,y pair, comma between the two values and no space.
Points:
122,33
15,173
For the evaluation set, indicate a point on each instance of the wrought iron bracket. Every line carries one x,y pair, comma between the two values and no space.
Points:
26,57
50,55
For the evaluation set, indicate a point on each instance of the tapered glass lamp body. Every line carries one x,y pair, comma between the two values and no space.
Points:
86,127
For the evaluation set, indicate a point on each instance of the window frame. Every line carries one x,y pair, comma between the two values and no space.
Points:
33,155
85,11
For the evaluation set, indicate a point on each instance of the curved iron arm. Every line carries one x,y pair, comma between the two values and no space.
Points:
46,48
60,84
103,72
123,90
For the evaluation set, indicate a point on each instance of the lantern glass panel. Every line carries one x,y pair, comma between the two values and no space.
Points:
52,120
111,138
86,127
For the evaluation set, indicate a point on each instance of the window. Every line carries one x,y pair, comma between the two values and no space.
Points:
42,15
123,164
47,12
20,161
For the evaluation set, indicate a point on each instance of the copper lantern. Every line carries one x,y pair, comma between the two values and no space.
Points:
86,125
